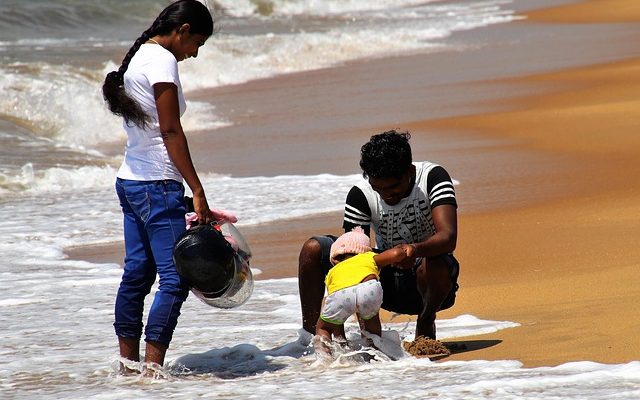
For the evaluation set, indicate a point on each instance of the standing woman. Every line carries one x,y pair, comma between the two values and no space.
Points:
146,92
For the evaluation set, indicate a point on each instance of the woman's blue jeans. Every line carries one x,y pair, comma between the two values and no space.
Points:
153,219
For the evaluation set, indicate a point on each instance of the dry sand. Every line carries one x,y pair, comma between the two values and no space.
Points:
567,270
563,260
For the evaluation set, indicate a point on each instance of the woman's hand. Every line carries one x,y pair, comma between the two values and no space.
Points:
201,207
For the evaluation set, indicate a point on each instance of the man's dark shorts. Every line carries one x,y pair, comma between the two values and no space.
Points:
399,288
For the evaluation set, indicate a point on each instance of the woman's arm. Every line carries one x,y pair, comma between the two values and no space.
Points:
166,95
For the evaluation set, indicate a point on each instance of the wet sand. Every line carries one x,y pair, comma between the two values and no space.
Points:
546,153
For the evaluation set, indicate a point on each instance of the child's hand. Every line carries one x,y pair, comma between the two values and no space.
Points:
402,256
407,255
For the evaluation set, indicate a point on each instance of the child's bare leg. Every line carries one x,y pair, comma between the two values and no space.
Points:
324,333
339,335
324,329
372,325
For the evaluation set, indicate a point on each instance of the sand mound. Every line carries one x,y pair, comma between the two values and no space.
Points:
425,347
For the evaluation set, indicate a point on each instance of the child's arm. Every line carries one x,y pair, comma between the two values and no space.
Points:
391,256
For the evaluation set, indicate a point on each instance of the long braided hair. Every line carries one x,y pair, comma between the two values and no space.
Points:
181,12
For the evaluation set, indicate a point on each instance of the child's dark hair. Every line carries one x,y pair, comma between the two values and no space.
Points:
181,12
386,155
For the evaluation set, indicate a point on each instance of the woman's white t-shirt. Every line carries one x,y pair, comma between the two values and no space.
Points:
146,157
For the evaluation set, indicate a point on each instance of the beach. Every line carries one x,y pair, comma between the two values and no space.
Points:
552,245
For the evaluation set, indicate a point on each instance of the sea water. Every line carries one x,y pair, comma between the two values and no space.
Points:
56,191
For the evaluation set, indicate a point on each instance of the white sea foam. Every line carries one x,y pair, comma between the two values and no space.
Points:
65,104
59,102
244,8
63,179
464,325
19,302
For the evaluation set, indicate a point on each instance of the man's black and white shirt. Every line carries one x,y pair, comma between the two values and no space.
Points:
410,220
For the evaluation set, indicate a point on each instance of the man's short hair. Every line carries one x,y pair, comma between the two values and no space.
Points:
386,155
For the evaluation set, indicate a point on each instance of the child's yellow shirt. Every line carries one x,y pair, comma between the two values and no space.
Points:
351,271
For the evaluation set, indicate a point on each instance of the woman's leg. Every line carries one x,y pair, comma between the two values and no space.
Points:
164,225
139,270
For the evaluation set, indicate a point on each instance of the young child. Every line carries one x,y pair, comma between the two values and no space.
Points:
353,287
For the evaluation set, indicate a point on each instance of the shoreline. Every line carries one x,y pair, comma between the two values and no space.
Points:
561,263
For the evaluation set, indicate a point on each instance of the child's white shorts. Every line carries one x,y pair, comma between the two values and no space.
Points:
363,299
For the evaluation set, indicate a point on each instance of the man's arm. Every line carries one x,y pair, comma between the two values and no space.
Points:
356,211
444,213
442,242
445,219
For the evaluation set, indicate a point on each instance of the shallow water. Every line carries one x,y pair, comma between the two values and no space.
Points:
63,347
